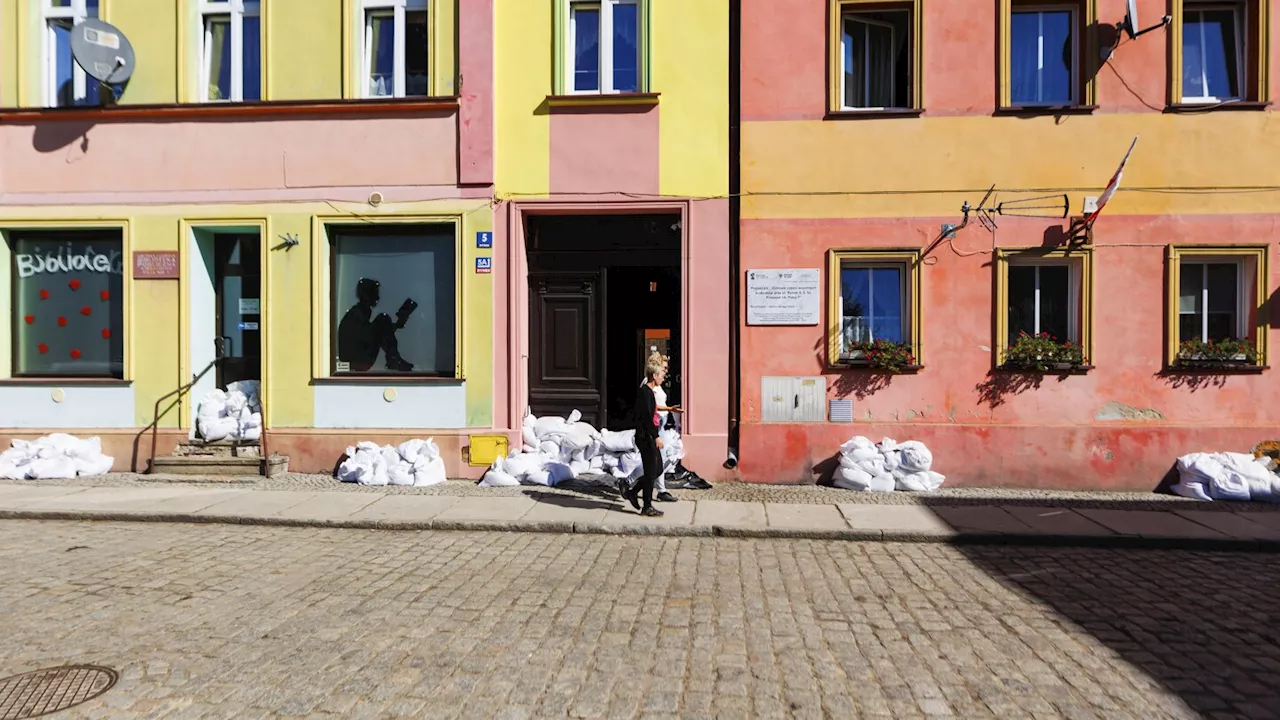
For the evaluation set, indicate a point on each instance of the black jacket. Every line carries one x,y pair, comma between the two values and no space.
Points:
645,408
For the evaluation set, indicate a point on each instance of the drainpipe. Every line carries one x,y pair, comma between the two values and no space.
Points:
735,215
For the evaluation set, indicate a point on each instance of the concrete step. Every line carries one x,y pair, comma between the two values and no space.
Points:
221,465
197,448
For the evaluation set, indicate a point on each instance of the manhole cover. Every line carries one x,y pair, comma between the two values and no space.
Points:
46,691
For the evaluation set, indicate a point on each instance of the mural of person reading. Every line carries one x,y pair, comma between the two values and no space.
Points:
361,335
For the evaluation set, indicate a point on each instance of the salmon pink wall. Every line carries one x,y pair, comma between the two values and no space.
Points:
604,150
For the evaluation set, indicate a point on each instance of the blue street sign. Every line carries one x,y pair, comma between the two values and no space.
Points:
484,239
484,265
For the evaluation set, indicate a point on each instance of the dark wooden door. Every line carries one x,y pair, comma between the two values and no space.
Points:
238,285
566,342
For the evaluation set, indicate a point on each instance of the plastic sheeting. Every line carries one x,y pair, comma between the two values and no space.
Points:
557,449
1227,476
414,462
57,456
886,466
233,414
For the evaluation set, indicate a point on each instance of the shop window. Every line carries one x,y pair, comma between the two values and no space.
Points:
394,300
68,304
65,82
874,298
602,46
230,50
393,48
1215,297
875,55
1220,51
1044,295
1043,59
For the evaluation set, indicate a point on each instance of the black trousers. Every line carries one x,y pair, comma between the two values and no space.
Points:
651,461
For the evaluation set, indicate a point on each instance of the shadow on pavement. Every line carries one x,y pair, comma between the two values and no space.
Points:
1206,626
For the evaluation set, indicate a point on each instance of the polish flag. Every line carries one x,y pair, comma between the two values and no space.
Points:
1111,186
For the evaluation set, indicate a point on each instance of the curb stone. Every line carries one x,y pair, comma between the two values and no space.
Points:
655,529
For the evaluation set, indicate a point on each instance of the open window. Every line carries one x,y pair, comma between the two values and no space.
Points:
230,50
1220,51
65,83
1045,54
874,301
875,56
1215,296
1044,309
602,47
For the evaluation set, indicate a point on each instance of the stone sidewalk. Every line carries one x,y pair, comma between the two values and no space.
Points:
931,519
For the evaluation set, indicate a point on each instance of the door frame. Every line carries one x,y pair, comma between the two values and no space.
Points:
517,281
188,244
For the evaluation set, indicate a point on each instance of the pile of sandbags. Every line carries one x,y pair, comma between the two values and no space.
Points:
234,414
1227,476
57,456
414,462
887,466
556,449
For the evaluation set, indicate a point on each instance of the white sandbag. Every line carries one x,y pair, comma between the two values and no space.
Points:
549,425
550,449
429,472
528,436
574,417
57,467
498,478
100,465
618,442
537,477
529,449
596,463
915,456
923,481
886,466
852,478
1193,489
10,471
519,465
559,472
580,467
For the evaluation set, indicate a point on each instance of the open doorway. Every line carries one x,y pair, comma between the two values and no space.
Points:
604,291
224,307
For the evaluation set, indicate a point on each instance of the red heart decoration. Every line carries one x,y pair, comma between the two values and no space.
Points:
75,284
62,322
42,348
86,311
106,333
44,294
75,354
106,295
31,319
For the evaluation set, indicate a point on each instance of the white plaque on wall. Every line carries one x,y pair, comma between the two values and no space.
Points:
784,297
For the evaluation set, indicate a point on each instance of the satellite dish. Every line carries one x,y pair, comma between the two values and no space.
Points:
1130,23
102,51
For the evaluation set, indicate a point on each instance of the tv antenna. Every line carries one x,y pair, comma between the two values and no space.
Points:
1045,206
104,53
1130,23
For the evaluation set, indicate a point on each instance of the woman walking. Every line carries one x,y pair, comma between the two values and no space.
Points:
647,441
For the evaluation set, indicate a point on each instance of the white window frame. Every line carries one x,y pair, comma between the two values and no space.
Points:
364,56
77,13
606,46
1040,10
904,311
1242,292
236,10
866,90
1074,299
1240,12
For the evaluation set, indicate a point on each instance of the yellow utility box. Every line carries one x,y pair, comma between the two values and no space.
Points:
485,449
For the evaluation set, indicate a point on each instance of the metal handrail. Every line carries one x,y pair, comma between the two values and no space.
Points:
155,421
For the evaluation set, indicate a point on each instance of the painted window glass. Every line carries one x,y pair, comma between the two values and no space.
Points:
230,50
1042,57
1209,302
876,55
1212,52
872,303
394,300
394,48
1041,300
65,82
68,291
604,46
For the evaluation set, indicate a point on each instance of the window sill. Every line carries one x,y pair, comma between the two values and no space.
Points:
1216,367
64,382
860,365
1062,369
385,380
1034,110
277,108
870,114
1240,105
602,100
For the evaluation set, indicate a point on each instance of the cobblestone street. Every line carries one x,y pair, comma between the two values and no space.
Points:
239,622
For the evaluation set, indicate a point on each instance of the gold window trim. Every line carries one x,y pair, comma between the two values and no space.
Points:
1256,85
909,258
1086,47
1258,253
835,65
1008,256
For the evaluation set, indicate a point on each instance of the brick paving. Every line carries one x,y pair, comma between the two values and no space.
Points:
243,622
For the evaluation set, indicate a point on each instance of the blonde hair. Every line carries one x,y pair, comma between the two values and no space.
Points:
653,367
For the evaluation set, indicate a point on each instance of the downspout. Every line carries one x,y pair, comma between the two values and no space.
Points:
735,215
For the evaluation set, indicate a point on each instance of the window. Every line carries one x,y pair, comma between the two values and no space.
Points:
1043,292
876,58
1042,56
603,47
65,82
394,55
1215,294
394,300
874,297
1220,51
230,50
68,304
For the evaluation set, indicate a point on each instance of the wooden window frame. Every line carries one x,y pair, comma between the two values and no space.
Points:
237,11
1085,89
911,261
1256,323
835,55
76,13
562,70
1080,260
1255,53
